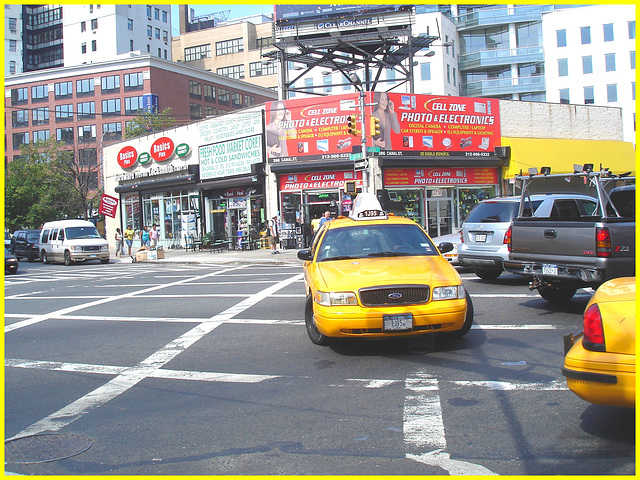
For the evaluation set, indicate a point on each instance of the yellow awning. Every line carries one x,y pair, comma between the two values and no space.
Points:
561,154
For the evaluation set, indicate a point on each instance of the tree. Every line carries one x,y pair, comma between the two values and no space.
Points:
148,122
47,182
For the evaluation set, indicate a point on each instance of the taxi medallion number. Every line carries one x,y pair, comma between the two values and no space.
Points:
370,213
398,323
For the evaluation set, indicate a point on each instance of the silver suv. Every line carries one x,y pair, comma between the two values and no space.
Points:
484,232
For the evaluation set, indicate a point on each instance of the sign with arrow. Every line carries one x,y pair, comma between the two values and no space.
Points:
361,164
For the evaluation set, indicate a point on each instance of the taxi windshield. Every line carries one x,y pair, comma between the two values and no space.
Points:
365,241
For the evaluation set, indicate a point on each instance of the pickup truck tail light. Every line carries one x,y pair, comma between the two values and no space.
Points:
593,338
507,238
603,242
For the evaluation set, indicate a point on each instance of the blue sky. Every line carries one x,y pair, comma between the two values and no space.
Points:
237,10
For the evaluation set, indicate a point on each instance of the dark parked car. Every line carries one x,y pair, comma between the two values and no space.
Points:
25,243
10,262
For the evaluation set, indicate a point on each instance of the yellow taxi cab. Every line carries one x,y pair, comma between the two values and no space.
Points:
601,367
373,275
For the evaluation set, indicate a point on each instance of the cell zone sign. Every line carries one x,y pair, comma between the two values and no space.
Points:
162,149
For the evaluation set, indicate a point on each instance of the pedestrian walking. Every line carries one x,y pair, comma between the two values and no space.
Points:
119,239
273,234
153,234
326,218
145,239
129,233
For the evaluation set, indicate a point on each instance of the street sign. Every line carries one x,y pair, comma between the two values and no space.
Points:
355,156
361,165
373,149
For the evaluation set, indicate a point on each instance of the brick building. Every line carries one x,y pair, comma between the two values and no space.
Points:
88,106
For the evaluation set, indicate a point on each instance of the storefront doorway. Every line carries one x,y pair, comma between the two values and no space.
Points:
440,211
316,203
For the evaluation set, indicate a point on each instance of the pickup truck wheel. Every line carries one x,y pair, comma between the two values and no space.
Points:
466,326
309,320
67,258
487,274
556,294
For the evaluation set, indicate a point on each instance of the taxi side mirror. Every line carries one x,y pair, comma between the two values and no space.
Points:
305,254
445,247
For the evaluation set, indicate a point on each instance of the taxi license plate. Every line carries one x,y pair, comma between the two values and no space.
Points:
482,237
398,323
549,269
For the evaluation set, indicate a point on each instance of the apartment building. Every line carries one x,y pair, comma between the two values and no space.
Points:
230,48
12,39
594,59
38,37
88,106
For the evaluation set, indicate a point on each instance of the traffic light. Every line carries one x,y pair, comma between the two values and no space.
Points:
375,126
352,127
350,187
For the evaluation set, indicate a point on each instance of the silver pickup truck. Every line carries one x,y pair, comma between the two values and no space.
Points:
575,249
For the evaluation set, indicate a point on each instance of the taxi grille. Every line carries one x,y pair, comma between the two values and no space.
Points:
394,295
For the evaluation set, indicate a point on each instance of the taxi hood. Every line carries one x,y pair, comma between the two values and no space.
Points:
351,275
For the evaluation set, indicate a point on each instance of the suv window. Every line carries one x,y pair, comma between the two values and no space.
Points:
493,212
625,201
32,237
565,208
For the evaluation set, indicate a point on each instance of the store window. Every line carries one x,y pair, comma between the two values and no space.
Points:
469,197
131,211
407,203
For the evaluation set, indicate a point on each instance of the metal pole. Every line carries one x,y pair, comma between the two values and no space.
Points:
363,142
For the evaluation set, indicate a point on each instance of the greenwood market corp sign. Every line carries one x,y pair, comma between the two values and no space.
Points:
162,149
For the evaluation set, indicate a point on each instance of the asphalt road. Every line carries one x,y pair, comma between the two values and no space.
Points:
183,369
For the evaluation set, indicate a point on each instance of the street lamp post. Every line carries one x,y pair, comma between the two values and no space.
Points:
357,83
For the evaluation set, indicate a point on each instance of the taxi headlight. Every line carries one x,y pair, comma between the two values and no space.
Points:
336,298
448,293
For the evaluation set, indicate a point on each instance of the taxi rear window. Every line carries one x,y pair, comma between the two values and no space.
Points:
362,241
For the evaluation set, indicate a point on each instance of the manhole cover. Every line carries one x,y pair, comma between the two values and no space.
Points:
45,447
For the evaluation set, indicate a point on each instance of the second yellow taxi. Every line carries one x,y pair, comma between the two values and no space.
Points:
373,275
600,363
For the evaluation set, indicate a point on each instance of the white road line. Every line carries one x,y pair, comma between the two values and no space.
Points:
542,326
148,367
554,385
422,424
74,308
423,427
161,373
510,386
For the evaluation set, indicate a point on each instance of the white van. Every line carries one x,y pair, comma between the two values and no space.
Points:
71,241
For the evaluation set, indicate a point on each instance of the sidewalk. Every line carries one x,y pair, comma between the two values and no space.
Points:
232,257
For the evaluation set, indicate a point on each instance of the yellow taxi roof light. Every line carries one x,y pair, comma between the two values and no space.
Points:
367,207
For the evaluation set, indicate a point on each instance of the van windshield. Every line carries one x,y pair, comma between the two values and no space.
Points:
75,233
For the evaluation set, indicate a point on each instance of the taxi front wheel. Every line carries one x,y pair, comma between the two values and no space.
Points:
466,326
309,320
